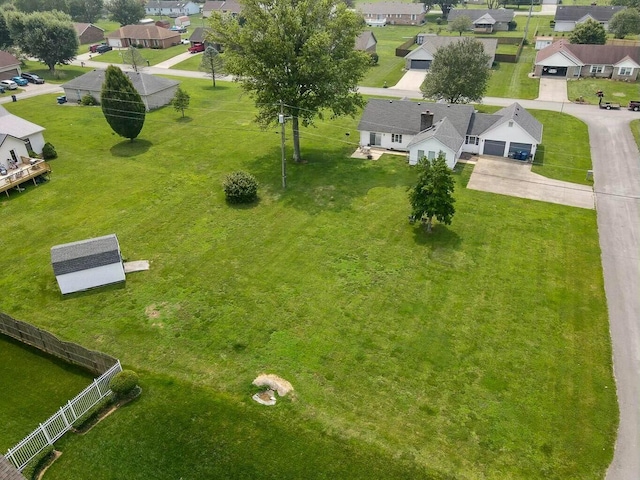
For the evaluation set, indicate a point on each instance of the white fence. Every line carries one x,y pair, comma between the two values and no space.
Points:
59,423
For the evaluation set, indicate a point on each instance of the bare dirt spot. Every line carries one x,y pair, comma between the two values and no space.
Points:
274,382
153,310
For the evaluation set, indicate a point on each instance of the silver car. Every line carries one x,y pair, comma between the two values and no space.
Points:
8,84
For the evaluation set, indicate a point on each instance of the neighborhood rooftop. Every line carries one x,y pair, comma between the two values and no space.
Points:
591,54
144,83
85,254
16,126
391,8
499,15
600,13
143,32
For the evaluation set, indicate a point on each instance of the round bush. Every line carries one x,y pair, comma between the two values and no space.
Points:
240,187
373,59
123,382
88,100
48,151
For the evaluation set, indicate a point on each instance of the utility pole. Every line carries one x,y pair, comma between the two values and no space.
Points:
526,27
282,119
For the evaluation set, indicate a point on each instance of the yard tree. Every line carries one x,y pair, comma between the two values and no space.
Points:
122,105
85,10
125,12
47,36
211,62
181,101
432,196
625,22
625,3
5,34
461,24
133,57
459,72
298,52
589,32
445,5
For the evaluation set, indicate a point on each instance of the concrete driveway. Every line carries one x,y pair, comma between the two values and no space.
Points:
514,178
553,89
411,81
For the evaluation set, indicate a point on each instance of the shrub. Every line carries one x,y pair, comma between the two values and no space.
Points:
123,382
373,59
49,152
37,463
88,100
512,25
240,187
91,416
439,20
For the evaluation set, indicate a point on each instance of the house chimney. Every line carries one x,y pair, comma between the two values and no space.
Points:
426,120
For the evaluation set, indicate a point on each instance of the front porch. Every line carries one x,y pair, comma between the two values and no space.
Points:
29,169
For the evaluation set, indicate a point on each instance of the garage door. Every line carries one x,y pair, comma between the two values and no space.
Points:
420,64
493,147
554,71
516,150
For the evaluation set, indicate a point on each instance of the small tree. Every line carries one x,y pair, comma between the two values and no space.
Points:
589,32
122,105
211,62
181,101
432,196
461,24
625,22
133,57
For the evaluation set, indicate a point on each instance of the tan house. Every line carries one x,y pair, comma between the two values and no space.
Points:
9,65
484,20
88,33
231,7
390,13
146,36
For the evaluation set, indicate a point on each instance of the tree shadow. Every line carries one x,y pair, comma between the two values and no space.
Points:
184,120
128,148
441,236
243,206
220,86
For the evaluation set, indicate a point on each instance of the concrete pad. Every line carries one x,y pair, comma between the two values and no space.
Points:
136,266
411,81
553,89
514,178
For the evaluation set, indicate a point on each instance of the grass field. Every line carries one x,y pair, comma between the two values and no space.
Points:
154,56
34,387
614,91
511,80
481,351
63,73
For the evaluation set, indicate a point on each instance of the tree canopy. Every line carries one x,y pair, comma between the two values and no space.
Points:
461,24
5,35
589,32
211,62
459,72
122,105
126,12
298,52
432,196
445,5
133,57
625,22
625,3
85,10
47,36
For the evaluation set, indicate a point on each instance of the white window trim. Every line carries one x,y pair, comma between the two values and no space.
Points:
596,69
625,71
396,138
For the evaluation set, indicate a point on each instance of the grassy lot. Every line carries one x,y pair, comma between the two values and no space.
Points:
481,351
63,73
192,63
34,386
614,91
154,56
511,80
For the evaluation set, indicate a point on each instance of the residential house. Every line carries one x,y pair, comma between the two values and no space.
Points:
230,7
9,65
155,91
88,33
199,36
150,36
171,9
87,264
392,13
425,129
421,57
568,16
366,42
183,21
564,59
29,133
485,20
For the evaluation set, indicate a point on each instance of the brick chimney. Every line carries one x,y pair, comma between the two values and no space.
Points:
426,120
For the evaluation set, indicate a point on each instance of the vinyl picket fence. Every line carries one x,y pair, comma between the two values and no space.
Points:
61,422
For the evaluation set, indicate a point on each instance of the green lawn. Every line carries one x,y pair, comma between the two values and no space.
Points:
614,91
34,387
481,351
63,73
635,129
511,80
154,56
192,63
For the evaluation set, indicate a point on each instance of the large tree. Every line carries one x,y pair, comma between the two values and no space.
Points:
47,36
625,22
122,105
295,53
589,32
126,12
85,10
445,5
626,3
432,196
5,34
211,62
461,24
459,72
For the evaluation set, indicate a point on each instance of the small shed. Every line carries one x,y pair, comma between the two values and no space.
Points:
182,21
87,264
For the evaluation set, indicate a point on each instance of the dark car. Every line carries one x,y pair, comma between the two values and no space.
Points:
32,78
634,105
103,48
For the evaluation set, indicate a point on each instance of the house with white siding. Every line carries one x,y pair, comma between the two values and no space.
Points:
171,9
29,133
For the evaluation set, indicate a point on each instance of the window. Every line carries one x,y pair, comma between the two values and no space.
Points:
375,138
511,123
431,155
396,138
471,140
625,71
420,154
413,16
597,68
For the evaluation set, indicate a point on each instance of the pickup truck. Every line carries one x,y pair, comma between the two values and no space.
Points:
634,105
610,106
197,47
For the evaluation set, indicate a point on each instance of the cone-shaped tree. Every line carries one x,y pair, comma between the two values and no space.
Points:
121,104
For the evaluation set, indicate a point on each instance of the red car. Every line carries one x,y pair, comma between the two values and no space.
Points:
198,47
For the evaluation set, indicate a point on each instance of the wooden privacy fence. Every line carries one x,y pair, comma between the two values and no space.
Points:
95,362
404,49
61,422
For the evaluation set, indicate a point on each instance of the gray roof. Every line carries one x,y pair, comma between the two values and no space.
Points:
363,39
523,118
432,43
165,4
16,126
394,8
573,13
444,131
498,14
480,122
144,83
224,6
85,254
199,34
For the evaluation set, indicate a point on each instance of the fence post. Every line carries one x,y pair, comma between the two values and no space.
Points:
95,382
75,415
46,435
64,418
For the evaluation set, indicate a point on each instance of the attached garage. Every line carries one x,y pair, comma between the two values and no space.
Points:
554,71
515,148
420,64
494,147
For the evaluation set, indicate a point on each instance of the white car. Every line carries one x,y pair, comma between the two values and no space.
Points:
9,84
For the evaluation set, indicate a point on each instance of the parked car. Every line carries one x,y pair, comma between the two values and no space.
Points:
8,84
20,81
634,105
94,48
610,105
197,47
103,48
178,29
32,78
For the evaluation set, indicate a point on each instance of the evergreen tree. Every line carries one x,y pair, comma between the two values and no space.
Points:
589,32
211,62
181,101
122,105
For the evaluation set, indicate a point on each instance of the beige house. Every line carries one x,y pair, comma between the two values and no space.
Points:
230,7
147,36
392,13
9,65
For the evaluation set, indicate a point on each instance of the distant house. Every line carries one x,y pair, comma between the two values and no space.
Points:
230,7
425,129
421,57
183,21
199,35
568,16
155,91
171,9
392,13
149,36
485,20
87,264
366,42
88,33
563,59
9,65
29,133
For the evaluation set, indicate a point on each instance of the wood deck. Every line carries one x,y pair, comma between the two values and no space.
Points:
29,169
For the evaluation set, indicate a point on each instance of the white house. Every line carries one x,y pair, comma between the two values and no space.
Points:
87,264
425,129
11,149
568,16
29,133
421,57
171,9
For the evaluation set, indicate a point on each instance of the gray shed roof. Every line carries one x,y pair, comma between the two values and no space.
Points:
523,118
85,254
144,83
16,126
444,131
363,39
392,8
573,13
199,34
498,14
